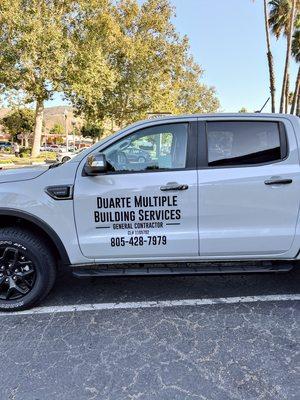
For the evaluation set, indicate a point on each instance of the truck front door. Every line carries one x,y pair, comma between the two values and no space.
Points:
144,207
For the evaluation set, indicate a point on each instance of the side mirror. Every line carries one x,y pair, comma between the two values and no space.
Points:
95,164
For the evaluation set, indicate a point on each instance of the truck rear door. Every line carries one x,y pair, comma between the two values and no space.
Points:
249,188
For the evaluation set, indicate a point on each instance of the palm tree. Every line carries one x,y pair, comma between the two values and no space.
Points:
282,20
270,58
296,55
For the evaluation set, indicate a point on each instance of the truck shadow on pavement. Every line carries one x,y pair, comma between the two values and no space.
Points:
69,290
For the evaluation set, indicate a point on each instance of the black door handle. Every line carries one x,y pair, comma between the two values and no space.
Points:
278,181
174,186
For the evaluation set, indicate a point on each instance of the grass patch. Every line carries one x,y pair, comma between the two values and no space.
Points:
6,161
45,155
27,160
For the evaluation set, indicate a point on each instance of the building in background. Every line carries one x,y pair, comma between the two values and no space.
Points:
70,126
63,116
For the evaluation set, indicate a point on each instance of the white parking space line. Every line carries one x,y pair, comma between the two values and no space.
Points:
153,304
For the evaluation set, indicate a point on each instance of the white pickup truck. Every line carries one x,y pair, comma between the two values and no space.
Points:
212,193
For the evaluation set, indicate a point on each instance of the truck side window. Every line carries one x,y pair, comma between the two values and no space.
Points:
242,142
154,148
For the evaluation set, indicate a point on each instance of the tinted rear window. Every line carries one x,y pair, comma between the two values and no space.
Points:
240,143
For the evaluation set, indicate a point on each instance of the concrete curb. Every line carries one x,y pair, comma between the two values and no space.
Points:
10,166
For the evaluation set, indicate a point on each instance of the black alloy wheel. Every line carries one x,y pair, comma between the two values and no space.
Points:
17,273
27,268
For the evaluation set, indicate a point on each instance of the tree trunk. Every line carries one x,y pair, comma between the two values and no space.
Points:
38,126
287,57
296,93
26,140
298,104
287,93
270,59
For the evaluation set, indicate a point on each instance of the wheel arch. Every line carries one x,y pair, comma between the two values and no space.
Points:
12,217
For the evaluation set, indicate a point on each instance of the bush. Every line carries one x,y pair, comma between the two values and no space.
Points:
47,155
25,152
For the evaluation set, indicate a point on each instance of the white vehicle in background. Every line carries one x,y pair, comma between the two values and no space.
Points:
45,148
63,155
52,147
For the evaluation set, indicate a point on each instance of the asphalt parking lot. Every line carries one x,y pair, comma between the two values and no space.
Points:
206,351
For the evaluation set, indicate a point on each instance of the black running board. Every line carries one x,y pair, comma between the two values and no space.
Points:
180,269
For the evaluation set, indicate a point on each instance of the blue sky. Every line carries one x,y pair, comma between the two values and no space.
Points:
228,40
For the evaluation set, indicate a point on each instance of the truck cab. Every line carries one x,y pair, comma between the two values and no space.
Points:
204,194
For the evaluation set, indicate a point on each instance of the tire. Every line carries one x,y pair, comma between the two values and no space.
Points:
141,159
65,159
27,269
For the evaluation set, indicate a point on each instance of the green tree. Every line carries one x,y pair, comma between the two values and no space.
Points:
90,73
43,46
150,66
33,51
57,129
269,57
284,16
20,121
296,54
243,110
92,131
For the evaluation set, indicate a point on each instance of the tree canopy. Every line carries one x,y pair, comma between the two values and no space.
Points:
280,15
296,46
57,129
113,59
284,19
19,121
92,131
34,48
151,69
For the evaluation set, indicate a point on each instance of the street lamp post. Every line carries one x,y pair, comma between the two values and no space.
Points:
74,137
66,129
